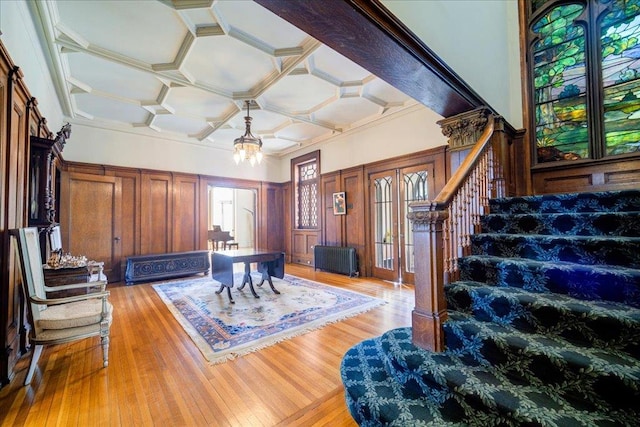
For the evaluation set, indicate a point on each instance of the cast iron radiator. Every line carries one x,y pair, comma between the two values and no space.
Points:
337,259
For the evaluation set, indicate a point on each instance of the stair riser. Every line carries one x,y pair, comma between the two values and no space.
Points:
575,324
605,224
571,372
581,283
585,251
623,201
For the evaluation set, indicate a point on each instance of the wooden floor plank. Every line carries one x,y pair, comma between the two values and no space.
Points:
157,375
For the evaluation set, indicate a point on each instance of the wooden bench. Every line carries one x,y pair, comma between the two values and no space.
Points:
148,268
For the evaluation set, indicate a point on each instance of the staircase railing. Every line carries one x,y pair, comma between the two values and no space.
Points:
442,230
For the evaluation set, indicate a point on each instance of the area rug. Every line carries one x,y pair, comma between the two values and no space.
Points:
223,331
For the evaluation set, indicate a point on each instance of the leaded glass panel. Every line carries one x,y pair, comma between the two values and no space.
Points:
383,220
536,4
307,195
621,77
415,189
560,85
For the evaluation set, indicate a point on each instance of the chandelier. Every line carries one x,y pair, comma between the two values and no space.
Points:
247,147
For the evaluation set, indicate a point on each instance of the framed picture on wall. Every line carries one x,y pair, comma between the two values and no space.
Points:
339,203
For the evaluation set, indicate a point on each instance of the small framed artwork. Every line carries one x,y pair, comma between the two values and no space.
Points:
339,203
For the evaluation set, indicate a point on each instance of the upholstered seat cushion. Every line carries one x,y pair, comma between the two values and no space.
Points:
79,313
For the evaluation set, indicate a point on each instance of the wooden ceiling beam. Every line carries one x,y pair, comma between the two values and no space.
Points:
368,34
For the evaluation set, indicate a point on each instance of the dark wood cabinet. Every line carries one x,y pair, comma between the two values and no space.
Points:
44,158
19,119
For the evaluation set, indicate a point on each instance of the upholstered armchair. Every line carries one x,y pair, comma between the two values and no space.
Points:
59,320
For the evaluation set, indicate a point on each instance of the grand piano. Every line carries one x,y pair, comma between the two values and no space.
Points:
216,237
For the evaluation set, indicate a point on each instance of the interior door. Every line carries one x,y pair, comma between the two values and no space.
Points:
391,193
90,219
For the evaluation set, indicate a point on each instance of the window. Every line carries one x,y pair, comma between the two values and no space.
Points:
305,173
585,68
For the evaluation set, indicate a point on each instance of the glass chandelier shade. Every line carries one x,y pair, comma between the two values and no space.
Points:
247,147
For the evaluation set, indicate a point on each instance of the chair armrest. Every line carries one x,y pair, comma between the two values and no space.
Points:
100,283
65,300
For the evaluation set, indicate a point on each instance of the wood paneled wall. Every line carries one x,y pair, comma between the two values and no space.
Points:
603,175
19,119
157,212
353,229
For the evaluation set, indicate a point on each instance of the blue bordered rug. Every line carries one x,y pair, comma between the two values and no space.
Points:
223,331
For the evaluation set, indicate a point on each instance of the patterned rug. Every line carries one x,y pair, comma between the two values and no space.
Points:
223,331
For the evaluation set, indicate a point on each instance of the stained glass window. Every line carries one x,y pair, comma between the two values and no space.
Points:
535,4
620,77
586,93
560,86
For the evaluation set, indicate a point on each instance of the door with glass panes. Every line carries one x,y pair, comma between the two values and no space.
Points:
391,192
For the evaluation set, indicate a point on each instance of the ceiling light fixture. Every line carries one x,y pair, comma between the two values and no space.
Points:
247,147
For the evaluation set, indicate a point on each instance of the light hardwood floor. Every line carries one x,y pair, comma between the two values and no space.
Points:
157,376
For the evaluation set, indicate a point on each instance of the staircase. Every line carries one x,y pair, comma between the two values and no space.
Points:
543,328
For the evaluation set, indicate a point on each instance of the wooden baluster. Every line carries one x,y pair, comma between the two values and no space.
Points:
485,185
446,235
459,233
475,214
468,198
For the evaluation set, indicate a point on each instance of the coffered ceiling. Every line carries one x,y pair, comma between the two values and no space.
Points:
182,69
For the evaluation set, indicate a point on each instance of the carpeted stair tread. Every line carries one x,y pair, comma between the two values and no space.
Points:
596,282
594,379
607,201
568,223
590,250
500,396
375,399
542,327
600,324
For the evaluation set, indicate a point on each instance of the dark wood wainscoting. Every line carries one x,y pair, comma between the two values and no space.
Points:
153,212
604,175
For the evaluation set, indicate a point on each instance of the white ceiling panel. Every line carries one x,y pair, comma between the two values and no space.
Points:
228,64
263,26
196,102
186,68
301,94
383,91
328,61
302,131
110,109
181,125
347,110
145,30
106,76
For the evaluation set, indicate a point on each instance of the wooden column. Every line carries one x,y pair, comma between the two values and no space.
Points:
430,311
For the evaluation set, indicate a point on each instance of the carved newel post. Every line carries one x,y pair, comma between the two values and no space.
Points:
430,311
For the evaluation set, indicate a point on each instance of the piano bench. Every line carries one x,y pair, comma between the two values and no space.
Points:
231,245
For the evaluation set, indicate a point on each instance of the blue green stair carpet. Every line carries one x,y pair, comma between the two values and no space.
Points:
543,327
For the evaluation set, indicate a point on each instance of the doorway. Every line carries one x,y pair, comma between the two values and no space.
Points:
233,210
391,192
